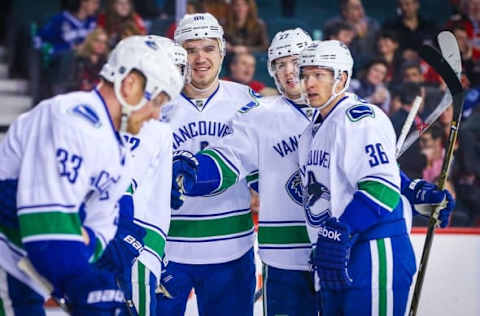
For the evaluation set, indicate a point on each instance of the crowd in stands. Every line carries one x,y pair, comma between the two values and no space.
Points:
73,44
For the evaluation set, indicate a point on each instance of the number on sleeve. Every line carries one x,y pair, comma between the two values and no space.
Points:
377,154
69,164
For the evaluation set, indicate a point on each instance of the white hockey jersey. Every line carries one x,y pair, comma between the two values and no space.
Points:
61,154
265,137
351,149
218,228
153,182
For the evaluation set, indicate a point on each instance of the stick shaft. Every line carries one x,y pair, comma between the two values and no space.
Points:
408,123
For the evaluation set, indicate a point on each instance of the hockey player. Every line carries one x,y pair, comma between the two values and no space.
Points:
284,246
147,202
63,167
356,218
210,240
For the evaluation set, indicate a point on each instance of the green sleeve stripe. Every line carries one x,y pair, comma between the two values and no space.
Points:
12,235
49,223
99,248
252,177
384,195
154,241
283,235
228,175
211,227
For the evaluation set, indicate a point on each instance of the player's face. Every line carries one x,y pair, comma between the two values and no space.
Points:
286,70
204,58
151,110
133,87
318,83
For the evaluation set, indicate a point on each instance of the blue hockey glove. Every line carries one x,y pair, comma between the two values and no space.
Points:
331,255
127,244
94,293
425,197
184,176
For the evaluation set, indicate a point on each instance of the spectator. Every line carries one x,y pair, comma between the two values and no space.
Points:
467,168
119,20
242,70
87,62
69,28
412,162
244,31
412,29
339,30
431,145
365,29
412,72
371,85
387,49
193,6
468,19
470,54
217,8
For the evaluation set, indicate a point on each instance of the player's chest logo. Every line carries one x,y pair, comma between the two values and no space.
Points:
103,182
316,200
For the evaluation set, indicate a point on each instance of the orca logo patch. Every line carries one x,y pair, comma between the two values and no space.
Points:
360,111
294,188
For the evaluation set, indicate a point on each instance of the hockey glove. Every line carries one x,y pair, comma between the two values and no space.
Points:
331,255
127,244
425,197
184,176
94,293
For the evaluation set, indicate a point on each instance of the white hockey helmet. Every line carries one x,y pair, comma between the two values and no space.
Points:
143,55
177,54
200,26
286,43
333,55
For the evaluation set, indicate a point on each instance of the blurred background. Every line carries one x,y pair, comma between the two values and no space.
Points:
55,46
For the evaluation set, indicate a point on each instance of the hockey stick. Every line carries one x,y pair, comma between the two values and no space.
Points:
26,266
449,48
408,123
435,59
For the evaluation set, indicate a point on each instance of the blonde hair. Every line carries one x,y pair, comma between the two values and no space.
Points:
85,49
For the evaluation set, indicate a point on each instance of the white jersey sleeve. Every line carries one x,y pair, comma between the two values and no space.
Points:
152,197
369,155
236,154
53,179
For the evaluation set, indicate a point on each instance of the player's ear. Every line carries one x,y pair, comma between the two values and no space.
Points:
343,81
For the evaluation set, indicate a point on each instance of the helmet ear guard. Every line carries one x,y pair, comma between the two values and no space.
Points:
143,55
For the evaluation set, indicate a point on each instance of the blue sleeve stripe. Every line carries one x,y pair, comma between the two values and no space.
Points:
383,180
225,159
45,206
151,226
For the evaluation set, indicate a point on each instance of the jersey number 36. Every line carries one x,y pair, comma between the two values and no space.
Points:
377,154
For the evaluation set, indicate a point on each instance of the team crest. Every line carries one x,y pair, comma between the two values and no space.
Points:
359,111
247,107
294,187
316,201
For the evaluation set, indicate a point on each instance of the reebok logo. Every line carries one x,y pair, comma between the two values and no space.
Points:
330,234
100,296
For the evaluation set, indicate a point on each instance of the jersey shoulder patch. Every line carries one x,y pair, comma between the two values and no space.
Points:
87,113
254,94
247,107
359,111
